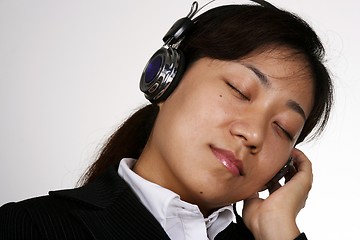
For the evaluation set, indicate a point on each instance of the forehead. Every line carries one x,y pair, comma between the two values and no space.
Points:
281,62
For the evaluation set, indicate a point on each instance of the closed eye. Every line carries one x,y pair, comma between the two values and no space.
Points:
284,131
238,92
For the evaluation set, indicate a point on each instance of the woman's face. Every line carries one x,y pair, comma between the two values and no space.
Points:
228,127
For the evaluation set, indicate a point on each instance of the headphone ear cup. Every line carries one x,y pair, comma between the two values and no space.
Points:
162,74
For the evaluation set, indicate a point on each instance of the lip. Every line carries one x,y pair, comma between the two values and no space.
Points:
228,160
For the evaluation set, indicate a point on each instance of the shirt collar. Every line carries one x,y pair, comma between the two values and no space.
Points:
172,213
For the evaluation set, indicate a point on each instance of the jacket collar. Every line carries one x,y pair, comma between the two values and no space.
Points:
109,209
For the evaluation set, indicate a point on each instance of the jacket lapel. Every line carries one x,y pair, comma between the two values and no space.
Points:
112,210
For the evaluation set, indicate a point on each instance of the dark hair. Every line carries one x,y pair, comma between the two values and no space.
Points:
230,33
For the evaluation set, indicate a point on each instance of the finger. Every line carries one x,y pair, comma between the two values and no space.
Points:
304,169
301,162
252,198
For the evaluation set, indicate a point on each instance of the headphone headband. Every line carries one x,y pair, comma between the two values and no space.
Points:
181,26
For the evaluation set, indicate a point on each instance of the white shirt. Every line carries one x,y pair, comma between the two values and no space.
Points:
180,220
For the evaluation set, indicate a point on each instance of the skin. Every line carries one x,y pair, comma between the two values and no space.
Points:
246,107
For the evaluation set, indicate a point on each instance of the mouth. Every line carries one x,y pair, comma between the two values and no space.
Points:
228,160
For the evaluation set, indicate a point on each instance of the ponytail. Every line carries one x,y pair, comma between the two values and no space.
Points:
127,142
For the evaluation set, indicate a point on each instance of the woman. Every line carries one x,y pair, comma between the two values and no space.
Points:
253,86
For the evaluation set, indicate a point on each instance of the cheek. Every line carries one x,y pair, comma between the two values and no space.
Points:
189,121
179,122
272,160
201,108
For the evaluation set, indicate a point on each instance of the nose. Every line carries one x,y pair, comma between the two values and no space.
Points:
250,132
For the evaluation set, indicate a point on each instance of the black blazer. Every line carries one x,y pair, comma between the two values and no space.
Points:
107,209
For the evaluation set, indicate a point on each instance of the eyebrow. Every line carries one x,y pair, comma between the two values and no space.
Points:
295,106
261,76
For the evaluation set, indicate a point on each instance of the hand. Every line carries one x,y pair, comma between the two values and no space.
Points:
274,217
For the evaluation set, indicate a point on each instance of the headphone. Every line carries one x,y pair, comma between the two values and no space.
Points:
165,68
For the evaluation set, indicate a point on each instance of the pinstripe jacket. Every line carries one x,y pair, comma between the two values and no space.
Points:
107,209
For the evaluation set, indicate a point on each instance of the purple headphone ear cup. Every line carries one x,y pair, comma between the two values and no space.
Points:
162,73
165,68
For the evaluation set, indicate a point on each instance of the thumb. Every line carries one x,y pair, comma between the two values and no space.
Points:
251,205
251,201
